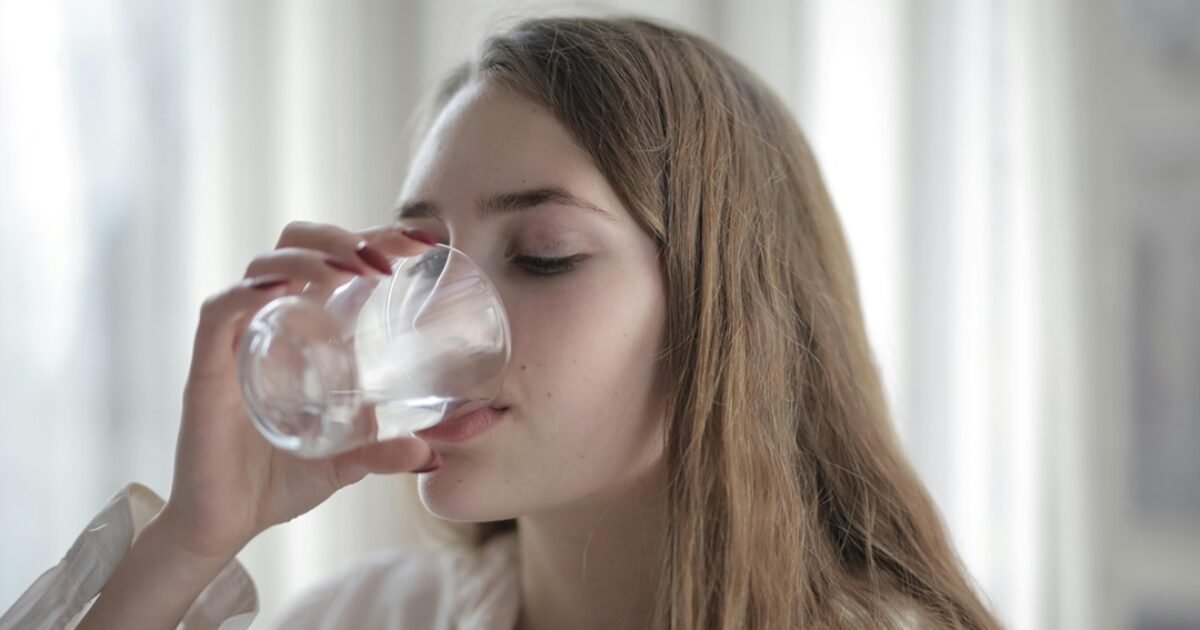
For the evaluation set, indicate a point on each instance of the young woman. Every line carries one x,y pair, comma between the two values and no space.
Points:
693,434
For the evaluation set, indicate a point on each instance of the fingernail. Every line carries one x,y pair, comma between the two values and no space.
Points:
372,257
267,282
343,266
435,462
420,235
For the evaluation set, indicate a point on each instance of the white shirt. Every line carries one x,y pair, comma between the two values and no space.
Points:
402,589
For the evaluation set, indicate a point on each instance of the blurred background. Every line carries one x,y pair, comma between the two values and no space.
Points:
1019,181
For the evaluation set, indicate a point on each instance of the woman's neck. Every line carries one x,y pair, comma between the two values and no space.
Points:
596,565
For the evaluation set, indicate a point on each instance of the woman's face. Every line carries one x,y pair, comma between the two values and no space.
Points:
584,411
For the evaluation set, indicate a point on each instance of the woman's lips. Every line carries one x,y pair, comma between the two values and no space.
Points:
464,427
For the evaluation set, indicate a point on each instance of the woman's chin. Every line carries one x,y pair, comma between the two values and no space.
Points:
450,498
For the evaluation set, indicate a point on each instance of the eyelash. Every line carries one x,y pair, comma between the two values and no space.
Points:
539,266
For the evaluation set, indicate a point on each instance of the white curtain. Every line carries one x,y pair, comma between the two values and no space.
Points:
149,149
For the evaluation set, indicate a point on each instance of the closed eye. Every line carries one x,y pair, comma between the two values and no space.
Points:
541,266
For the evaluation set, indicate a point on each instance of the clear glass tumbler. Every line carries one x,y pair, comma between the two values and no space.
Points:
376,358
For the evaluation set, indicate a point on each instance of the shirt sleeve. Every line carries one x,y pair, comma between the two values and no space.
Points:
61,596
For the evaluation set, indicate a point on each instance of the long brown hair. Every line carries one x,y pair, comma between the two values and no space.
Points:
790,503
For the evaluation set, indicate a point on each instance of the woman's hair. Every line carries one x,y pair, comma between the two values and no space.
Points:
789,501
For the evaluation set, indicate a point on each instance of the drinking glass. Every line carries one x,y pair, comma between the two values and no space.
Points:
377,357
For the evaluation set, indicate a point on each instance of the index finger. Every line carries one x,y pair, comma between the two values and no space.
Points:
373,246
398,239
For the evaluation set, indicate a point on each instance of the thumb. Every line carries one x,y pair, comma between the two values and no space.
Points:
406,454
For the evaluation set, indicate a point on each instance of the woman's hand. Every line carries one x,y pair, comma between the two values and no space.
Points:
230,483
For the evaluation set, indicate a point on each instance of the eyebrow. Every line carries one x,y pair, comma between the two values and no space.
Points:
508,202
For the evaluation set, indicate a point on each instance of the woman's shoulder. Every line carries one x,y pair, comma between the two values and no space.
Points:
416,587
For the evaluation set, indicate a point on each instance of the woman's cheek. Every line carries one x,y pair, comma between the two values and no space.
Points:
561,310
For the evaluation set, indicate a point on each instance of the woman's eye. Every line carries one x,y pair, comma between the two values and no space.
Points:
430,263
540,266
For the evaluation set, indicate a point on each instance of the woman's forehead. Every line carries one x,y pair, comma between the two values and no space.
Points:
486,117
489,138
